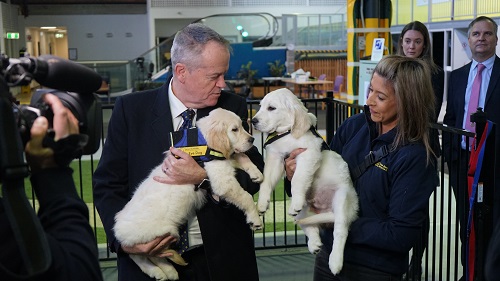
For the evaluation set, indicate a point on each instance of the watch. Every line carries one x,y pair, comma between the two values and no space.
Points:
204,184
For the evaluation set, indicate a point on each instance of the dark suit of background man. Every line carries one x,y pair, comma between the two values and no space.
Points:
483,39
138,135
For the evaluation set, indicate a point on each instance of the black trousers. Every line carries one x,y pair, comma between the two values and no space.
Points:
350,272
457,170
197,268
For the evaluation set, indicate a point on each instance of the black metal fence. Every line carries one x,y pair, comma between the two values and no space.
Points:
442,258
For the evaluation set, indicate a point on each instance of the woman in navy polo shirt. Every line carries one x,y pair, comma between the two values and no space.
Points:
394,191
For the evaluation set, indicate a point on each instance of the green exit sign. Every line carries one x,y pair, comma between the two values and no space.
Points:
12,35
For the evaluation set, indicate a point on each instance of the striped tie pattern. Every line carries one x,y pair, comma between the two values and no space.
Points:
183,242
187,117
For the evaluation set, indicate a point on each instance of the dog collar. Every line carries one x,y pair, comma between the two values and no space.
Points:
274,137
324,145
193,143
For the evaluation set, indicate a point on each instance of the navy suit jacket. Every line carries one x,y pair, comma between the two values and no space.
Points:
456,99
455,115
138,134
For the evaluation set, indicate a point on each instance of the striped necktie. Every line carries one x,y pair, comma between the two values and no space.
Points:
187,117
183,243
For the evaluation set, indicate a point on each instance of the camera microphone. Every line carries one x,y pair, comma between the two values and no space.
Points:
58,73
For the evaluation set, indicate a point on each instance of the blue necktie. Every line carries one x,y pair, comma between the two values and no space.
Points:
183,243
187,117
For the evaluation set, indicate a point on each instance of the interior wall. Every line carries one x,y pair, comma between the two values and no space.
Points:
101,37
123,37
165,28
9,23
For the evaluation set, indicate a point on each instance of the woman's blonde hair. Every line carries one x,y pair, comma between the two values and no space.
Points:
415,100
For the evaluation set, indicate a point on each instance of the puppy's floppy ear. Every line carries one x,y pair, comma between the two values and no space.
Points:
217,138
302,120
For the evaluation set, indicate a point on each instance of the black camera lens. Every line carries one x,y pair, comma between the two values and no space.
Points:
85,108
25,116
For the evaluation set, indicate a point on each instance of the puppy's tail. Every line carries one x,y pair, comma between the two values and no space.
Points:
318,218
176,258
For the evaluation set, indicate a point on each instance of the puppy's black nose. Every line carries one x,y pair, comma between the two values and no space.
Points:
255,121
251,139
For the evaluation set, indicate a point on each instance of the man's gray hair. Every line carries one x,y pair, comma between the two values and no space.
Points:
190,41
483,18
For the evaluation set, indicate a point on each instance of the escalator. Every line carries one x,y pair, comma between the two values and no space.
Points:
259,29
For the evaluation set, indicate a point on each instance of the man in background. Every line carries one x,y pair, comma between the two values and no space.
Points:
483,38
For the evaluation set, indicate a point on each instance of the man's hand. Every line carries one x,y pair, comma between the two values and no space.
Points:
64,124
182,169
291,162
154,248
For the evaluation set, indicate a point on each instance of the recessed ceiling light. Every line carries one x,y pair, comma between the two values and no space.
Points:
48,27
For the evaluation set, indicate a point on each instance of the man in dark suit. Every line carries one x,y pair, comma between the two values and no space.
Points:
482,37
138,135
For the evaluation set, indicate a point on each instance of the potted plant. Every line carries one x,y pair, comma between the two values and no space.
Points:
247,73
276,68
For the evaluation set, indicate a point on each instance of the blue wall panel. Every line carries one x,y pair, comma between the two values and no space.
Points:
244,52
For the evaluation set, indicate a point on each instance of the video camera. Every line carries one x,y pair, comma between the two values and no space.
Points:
72,83
75,85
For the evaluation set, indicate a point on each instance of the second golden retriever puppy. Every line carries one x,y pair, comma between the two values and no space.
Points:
156,208
321,180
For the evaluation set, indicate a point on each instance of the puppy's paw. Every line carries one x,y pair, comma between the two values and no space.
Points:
335,265
314,245
172,274
255,175
296,206
255,224
258,178
158,274
262,205
256,228
292,212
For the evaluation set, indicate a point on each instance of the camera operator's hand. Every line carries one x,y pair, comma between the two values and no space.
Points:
64,124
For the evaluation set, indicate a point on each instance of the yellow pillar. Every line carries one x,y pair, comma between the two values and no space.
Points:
352,52
366,20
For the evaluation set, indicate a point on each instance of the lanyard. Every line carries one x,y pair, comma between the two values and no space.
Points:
475,165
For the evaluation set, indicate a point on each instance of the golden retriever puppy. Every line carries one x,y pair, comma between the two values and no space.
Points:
321,180
156,208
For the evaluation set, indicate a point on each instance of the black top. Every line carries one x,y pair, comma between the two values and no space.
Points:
65,220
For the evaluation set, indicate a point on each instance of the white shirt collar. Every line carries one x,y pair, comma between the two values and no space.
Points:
176,107
487,63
